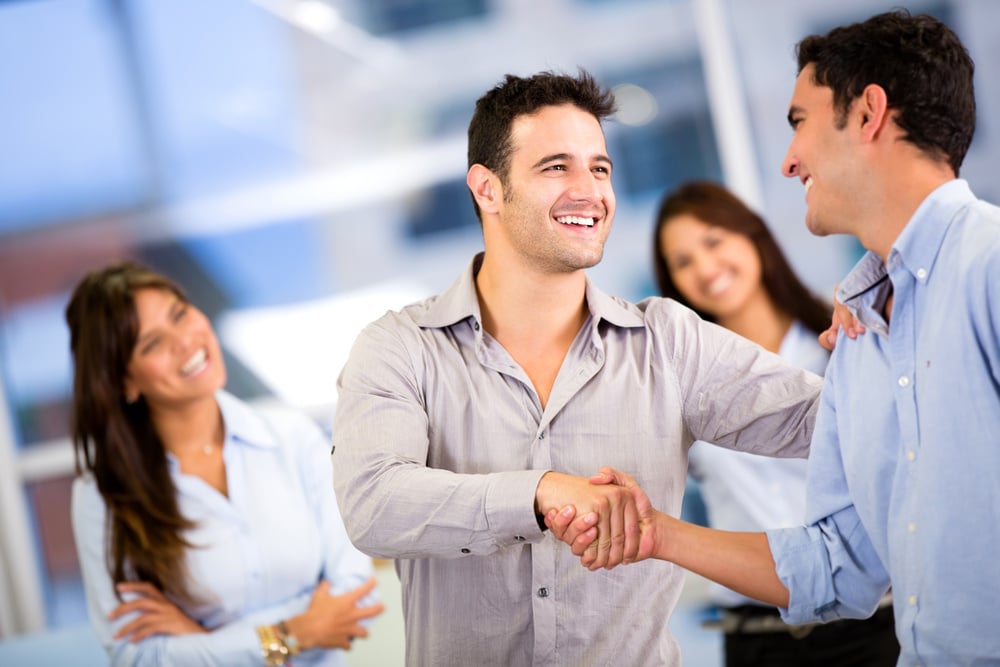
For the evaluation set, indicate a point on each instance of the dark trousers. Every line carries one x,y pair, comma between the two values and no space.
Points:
849,643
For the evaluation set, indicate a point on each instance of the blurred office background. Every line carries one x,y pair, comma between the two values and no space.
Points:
298,165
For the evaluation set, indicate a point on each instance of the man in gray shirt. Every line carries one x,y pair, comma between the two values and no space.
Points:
463,417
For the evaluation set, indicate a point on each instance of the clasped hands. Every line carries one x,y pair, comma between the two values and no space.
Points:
607,520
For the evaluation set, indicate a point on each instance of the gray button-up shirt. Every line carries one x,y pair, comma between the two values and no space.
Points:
440,441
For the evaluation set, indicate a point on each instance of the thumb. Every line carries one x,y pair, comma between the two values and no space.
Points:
322,588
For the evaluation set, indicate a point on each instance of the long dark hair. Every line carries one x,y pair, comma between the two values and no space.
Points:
714,205
114,439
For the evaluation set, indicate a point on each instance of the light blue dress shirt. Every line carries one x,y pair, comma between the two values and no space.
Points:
260,552
904,470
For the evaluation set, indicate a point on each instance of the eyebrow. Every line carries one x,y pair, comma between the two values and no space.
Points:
565,156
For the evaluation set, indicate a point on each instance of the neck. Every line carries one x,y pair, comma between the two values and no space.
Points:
899,194
760,321
524,304
189,427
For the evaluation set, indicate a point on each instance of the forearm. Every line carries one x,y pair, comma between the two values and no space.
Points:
739,561
397,510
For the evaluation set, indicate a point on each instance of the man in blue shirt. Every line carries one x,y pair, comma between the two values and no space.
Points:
904,470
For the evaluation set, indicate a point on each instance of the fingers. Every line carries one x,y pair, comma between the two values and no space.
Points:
617,538
364,589
144,605
140,587
603,476
630,541
371,610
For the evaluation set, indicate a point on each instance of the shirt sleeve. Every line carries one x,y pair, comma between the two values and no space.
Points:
737,394
830,566
344,566
393,505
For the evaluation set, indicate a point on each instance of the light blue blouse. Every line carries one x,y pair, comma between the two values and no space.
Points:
904,470
260,552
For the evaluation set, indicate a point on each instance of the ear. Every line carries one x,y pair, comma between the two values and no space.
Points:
873,108
485,187
131,391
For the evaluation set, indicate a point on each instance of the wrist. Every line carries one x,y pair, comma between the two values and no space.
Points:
272,646
298,627
290,638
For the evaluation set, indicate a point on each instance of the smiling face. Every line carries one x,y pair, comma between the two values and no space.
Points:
718,271
177,358
824,158
558,203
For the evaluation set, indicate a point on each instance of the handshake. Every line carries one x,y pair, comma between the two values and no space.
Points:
607,520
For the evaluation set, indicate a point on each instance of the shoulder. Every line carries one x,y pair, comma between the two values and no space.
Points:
87,505
268,423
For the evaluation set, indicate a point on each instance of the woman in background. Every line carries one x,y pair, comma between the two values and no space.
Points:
716,256
207,530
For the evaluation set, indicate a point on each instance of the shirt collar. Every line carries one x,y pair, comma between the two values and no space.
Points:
918,244
243,425
461,301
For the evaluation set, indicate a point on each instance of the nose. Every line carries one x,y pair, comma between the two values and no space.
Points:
585,186
704,265
790,165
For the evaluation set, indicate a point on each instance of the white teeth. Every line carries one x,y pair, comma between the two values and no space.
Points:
576,220
195,363
719,285
808,184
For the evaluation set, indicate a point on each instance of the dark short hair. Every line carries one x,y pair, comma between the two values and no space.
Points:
715,205
496,111
921,64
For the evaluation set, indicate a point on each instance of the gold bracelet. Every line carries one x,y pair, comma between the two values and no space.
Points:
291,641
272,647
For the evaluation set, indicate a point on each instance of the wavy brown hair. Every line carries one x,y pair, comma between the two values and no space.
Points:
714,205
114,440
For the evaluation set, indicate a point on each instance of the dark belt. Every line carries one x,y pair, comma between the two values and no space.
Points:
755,620
749,620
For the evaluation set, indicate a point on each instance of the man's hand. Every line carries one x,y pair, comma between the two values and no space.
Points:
581,532
615,518
841,318
157,614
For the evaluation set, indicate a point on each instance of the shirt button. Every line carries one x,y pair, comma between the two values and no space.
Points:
541,436
543,592
912,527
921,274
911,455
904,381
913,600
475,325
466,551
519,538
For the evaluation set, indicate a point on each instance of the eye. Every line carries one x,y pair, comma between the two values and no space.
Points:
150,345
180,312
556,167
678,263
